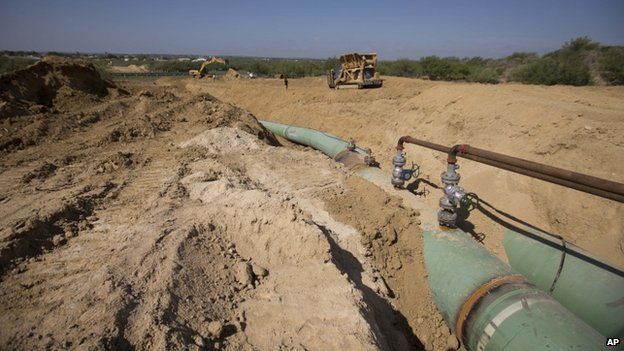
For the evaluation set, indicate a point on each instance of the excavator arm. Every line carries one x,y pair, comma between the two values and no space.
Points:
201,72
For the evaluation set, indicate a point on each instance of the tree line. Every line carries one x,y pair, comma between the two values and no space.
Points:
580,61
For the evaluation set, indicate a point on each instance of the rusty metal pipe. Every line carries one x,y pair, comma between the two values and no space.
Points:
548,178
412,140
571,176
581,182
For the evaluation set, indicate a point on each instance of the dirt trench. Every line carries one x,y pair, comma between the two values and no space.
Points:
173,221
391,236
575,128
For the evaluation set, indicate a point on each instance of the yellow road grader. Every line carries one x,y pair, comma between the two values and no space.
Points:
355,71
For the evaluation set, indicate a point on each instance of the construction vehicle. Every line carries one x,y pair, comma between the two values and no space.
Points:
201,72
355,71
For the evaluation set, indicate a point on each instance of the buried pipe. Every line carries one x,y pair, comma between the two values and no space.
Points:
484,301
332,146
578,181
587,285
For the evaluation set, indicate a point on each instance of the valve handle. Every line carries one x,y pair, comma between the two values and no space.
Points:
415,170
470,201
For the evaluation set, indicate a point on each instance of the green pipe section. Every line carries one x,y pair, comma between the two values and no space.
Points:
588,286
453,257
328,144
457,266
510,317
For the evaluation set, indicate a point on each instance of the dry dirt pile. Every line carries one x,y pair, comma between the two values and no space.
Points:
167,220
231,74
576,128
47,84
128,69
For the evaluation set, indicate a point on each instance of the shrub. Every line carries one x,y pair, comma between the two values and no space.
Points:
612,65
291,68
580,44
550,71
174,65
485,75
574,71
400,68
331,63
521,57
449,68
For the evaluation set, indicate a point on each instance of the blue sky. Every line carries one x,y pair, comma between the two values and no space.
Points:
319,29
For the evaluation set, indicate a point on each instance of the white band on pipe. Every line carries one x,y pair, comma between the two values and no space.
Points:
491,328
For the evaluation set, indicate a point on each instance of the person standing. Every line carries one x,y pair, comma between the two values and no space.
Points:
286,82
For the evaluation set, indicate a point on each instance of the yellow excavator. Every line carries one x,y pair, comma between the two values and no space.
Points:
201,72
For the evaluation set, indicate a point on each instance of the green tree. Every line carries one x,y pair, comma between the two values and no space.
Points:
612,65
581,44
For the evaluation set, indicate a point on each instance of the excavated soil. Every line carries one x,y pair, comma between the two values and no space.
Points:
576,128
231,74
128,69
52,84
150,215
154,217
391,236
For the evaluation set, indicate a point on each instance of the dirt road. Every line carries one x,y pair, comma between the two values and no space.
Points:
576,128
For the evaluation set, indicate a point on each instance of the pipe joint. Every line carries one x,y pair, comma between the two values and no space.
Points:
351,145
400,143
369,159
457,149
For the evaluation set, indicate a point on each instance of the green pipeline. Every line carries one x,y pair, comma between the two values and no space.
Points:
494,307
328,144
588,286
490,306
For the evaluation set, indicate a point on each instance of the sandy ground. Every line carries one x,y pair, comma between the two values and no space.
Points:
128,69
152,216
576,128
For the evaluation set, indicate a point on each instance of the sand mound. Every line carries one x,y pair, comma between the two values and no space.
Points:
166,221
41,85
231,74
146,113
128,69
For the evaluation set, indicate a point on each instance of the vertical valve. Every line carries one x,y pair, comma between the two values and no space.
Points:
399,174
453,195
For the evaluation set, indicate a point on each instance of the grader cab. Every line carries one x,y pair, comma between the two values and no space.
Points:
355,71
